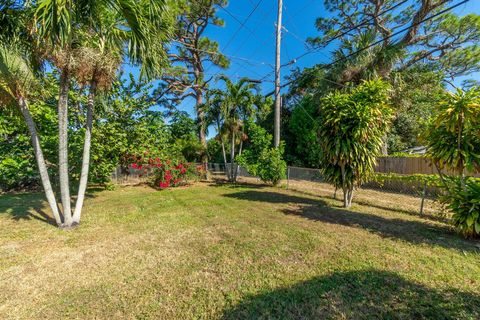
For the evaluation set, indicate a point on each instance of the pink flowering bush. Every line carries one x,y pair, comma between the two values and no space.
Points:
168,173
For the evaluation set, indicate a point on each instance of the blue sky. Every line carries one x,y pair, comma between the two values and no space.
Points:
252,48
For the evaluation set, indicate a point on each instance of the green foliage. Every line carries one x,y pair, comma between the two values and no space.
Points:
123,125
261,159
453,135
18,168
351,128
183,136
302,129
454,48
415,95
463,201
404,155
454,143
231,109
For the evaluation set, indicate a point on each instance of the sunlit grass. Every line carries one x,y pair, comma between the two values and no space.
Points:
212,251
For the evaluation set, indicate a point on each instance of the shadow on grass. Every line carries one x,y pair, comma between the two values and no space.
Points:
32,206
219,182
413,231
411,212
368,294
29,206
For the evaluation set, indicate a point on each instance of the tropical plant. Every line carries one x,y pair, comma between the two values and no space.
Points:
449,44
351,127
67,29
453,136
453,140
215,115
190,53
17,83
261,158
237,104
464,201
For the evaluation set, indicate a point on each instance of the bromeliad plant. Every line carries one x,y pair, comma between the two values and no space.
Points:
350,133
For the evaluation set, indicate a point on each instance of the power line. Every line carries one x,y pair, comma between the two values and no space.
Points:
242,24
254,62
294,60
265,14
383,39
251,32
290,20
361,24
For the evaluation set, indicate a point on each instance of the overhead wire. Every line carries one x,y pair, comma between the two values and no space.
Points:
383,39
361,24
242,24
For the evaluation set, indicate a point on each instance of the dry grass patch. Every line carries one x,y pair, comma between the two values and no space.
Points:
217,251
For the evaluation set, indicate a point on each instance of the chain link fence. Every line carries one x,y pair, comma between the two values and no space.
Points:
409,196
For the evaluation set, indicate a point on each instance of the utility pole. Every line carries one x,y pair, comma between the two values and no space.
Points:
276,131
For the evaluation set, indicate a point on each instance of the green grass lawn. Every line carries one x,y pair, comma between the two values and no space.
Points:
216,251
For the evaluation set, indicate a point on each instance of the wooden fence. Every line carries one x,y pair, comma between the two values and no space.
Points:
409,165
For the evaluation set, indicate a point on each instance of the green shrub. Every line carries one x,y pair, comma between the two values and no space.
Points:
464,203
271,166
261,159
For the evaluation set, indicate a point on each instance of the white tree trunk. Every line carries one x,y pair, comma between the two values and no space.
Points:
42,168
232,158
237,167
86,154
224,153
63,147
345,188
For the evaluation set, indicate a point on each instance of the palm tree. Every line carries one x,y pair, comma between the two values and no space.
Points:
63,25
101,58
238,104
215,115
17,82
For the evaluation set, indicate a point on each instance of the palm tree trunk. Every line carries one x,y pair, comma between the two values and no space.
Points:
232,157
344,187
239,153
350,196
202,135
86,154
42,168
63,146
224,153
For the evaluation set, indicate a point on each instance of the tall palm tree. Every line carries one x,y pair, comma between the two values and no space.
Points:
215,115
238,103
17,83
107,43
61,28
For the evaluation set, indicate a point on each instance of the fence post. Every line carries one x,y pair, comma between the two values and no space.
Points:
423,197
288,175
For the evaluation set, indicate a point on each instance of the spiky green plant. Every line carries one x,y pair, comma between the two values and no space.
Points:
351,128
